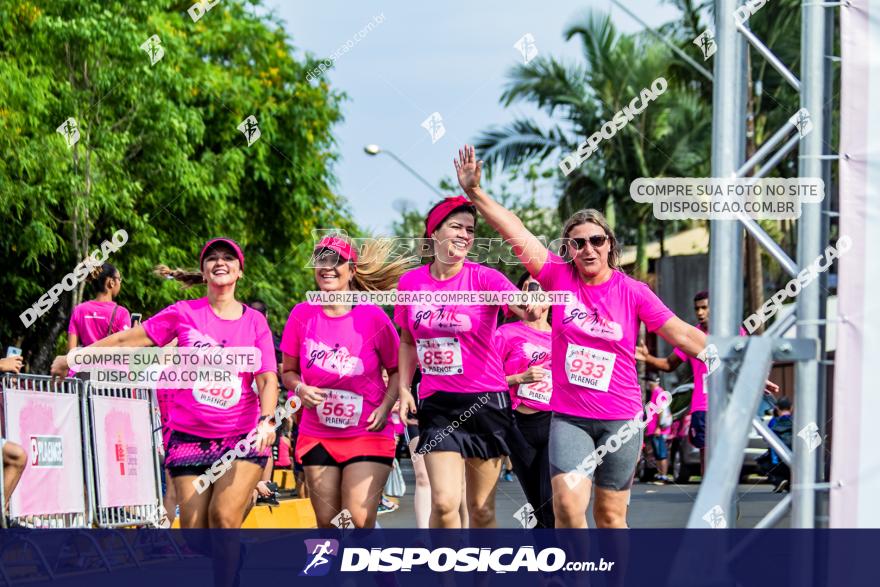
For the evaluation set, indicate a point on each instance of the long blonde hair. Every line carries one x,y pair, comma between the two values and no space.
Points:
376,270
593,216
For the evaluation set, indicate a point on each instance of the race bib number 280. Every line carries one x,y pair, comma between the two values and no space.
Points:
440,356
589,367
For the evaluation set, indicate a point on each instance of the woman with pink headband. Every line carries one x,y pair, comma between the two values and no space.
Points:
464,414
207,422
333,359
596,392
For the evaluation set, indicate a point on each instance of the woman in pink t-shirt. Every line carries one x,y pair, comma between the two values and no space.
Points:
525,352
596,392
333,360
208,422
464,411
100,317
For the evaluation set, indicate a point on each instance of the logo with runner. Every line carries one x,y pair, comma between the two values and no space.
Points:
320,552
536,354
591,321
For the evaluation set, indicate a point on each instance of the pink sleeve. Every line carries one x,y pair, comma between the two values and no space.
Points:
652,311
501,343
162,328
549,273
494,280
290,337
401,312
387,340
72,327
122,321
266,345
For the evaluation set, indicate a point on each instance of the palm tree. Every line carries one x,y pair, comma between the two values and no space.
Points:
671,137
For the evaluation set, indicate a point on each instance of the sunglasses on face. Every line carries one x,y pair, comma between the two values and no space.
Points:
596,241
327,258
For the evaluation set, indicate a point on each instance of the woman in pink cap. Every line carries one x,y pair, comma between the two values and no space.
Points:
464,414
204,425
596,392
334,354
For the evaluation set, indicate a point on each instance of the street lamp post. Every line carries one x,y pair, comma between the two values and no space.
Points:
374,150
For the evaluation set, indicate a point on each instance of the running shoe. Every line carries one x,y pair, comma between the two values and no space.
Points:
386,506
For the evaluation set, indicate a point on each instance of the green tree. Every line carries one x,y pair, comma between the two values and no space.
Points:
159,152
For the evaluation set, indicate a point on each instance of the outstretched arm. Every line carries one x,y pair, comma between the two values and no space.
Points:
529,249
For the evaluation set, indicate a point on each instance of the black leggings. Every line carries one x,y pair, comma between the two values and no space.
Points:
534,474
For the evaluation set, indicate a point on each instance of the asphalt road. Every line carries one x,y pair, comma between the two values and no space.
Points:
651,506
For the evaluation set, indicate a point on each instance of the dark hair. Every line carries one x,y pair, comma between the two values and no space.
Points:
428,249
99,276
260,306
522,279
783,404
701,295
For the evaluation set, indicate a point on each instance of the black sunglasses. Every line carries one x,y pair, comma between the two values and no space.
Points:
596,241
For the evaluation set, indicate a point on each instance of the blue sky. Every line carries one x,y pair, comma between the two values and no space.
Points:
450,57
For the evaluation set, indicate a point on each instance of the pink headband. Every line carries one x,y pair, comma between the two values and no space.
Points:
342,248
227,241
442,210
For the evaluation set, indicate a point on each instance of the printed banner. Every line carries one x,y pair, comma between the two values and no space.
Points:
47,426
123,452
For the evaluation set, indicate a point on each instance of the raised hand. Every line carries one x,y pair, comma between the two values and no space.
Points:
468,168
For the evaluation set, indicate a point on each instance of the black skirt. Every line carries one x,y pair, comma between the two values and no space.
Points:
475,425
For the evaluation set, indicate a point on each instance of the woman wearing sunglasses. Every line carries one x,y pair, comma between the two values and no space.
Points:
333,360
595,385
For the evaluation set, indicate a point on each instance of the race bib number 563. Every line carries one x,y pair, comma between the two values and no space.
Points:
440,356
340,409
589,367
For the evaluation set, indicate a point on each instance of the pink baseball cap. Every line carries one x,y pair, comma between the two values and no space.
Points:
339,246
225,240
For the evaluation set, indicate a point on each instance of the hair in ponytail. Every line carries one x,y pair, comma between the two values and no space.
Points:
187,277
99,276
375,270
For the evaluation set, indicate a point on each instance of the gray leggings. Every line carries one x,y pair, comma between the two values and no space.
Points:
573,441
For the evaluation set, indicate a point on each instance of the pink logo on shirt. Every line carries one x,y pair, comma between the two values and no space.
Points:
442,318
535,354
591,322
336,359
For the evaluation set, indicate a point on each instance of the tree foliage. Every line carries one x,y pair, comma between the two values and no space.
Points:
159,153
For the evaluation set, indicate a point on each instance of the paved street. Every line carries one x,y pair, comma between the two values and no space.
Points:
652,506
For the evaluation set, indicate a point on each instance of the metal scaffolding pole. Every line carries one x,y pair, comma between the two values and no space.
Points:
810,244
725,248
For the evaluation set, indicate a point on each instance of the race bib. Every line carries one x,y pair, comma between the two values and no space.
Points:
440,356
539,391
588,367
219,395
340,409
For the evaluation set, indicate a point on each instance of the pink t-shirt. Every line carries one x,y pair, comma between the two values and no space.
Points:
521,347
195,324
89,321
651,428
343,355
594,341
455,344
700,395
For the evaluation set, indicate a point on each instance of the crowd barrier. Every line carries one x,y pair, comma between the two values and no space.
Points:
92,457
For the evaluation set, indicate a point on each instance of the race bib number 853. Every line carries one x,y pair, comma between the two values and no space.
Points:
440,356
589,367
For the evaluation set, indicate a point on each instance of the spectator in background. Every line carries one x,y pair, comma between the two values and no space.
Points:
658,429
781,424
100,317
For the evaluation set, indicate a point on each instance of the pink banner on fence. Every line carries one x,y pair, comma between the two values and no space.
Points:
123,452
47,426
